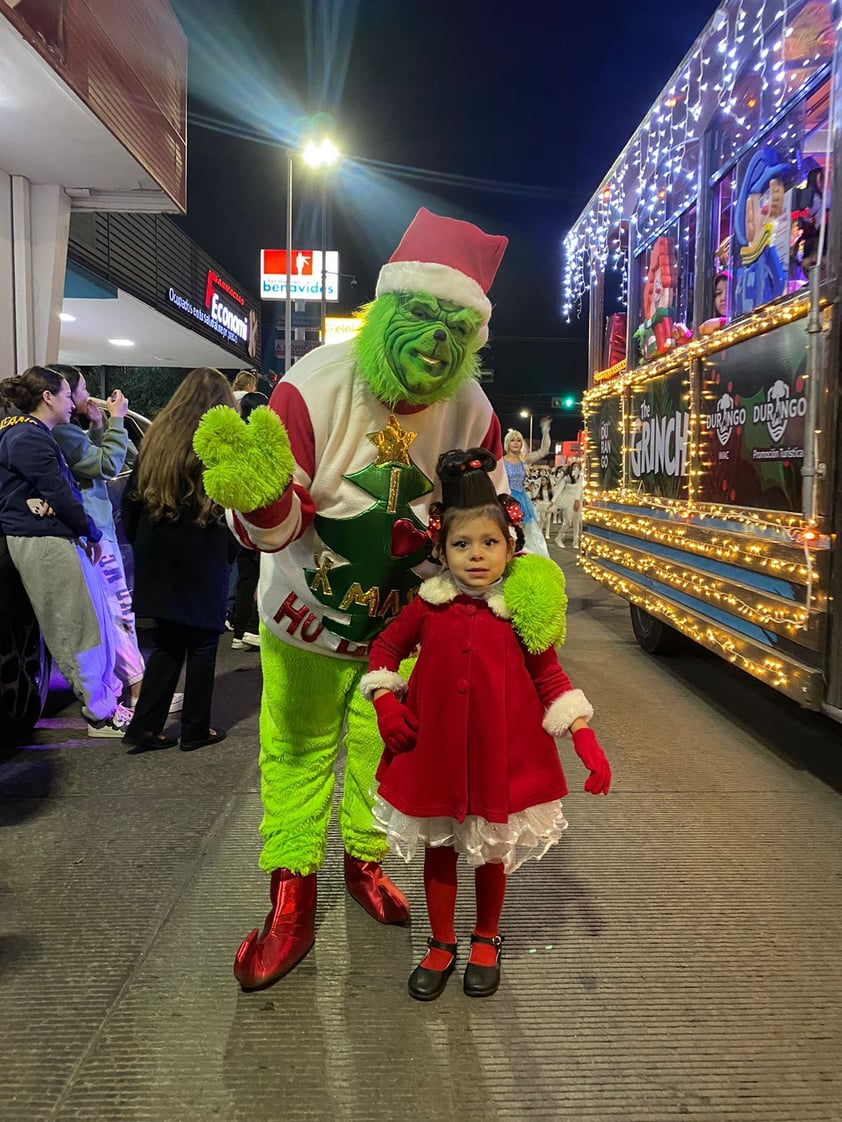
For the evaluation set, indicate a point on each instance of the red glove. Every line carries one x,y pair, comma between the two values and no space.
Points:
397,724
592,756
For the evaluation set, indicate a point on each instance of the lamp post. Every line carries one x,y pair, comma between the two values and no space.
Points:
526,413
288,296
322,154
316,154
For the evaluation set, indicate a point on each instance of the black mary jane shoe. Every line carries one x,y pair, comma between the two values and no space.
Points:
425,984
483,981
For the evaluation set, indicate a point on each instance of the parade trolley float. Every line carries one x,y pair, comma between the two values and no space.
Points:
712,445
333,483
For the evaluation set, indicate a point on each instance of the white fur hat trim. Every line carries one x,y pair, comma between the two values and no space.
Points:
441,281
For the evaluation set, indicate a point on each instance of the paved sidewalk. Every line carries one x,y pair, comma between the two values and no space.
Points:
677,955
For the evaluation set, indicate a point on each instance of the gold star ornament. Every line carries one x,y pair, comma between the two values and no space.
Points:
392,443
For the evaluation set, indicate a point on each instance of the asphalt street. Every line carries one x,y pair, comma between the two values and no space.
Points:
677,955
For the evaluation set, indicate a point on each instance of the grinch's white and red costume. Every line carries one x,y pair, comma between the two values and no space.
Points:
342,534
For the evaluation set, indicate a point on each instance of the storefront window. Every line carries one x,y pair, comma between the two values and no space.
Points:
666,288
768,210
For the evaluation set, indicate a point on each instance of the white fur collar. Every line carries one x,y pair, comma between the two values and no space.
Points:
441,589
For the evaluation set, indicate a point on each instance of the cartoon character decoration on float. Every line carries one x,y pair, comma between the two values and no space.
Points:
332,483
761,232
660,332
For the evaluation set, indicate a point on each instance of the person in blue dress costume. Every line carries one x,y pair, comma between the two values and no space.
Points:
516,461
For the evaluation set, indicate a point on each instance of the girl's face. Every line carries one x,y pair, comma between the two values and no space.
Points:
515,445
720,295
477,551
58,406
80,397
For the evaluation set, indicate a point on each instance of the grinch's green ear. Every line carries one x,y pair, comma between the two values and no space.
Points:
535,595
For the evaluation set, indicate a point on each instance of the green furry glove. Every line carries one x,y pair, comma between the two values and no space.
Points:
534,594
247,466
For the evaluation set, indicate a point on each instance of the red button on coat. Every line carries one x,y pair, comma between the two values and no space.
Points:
470,610
462,685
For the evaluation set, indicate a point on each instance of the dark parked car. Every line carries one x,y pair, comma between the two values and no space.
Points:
25,662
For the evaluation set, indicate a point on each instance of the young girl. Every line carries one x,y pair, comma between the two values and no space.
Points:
182,553
569,499
470,765
516,461
542,498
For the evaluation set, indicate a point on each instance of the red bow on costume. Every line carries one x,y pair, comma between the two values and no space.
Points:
470,464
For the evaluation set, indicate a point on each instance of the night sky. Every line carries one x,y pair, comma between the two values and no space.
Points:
499,114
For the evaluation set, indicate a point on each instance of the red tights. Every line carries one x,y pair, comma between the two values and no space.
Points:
440,890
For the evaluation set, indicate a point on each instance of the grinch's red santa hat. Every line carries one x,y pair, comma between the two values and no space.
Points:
450,259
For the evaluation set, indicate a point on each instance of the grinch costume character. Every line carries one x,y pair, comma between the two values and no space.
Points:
332,483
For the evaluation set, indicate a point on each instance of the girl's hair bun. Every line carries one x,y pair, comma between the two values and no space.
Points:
456,462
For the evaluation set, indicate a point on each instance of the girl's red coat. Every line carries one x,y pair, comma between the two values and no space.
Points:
480,698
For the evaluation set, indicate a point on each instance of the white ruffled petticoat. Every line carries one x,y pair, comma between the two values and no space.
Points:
526,835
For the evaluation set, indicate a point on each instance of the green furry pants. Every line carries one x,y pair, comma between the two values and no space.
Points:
308,699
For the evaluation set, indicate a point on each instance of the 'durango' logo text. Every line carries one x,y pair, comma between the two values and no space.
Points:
778,408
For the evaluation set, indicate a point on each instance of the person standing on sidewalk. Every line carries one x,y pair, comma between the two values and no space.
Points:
516,461
94,456
470,765
569,498
54,544
182,551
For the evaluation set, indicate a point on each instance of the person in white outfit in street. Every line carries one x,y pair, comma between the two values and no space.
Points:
568,500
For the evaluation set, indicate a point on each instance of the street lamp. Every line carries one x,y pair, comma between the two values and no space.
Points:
316,154
526,413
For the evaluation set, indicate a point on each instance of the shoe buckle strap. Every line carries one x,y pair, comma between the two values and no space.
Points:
497,941
449,947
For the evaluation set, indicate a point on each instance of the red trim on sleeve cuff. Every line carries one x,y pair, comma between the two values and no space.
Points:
265,517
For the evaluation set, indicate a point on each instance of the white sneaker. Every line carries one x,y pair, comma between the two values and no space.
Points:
175,705
113,726
248,642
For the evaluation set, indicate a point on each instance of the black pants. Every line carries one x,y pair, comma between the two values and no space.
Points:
245,606
173,643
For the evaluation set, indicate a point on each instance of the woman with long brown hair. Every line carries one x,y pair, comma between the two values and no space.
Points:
182,551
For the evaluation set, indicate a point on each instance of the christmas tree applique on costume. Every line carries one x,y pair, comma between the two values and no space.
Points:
382,545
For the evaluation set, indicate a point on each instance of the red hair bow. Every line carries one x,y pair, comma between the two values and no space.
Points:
512,509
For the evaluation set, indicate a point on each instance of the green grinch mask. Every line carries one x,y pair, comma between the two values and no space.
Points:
417,349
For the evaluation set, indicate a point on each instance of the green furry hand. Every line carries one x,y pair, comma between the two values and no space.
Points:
247,466
534,594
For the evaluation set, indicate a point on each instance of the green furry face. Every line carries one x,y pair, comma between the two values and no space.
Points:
416,348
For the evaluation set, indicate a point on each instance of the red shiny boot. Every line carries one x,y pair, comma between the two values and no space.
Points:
287,935
370,887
